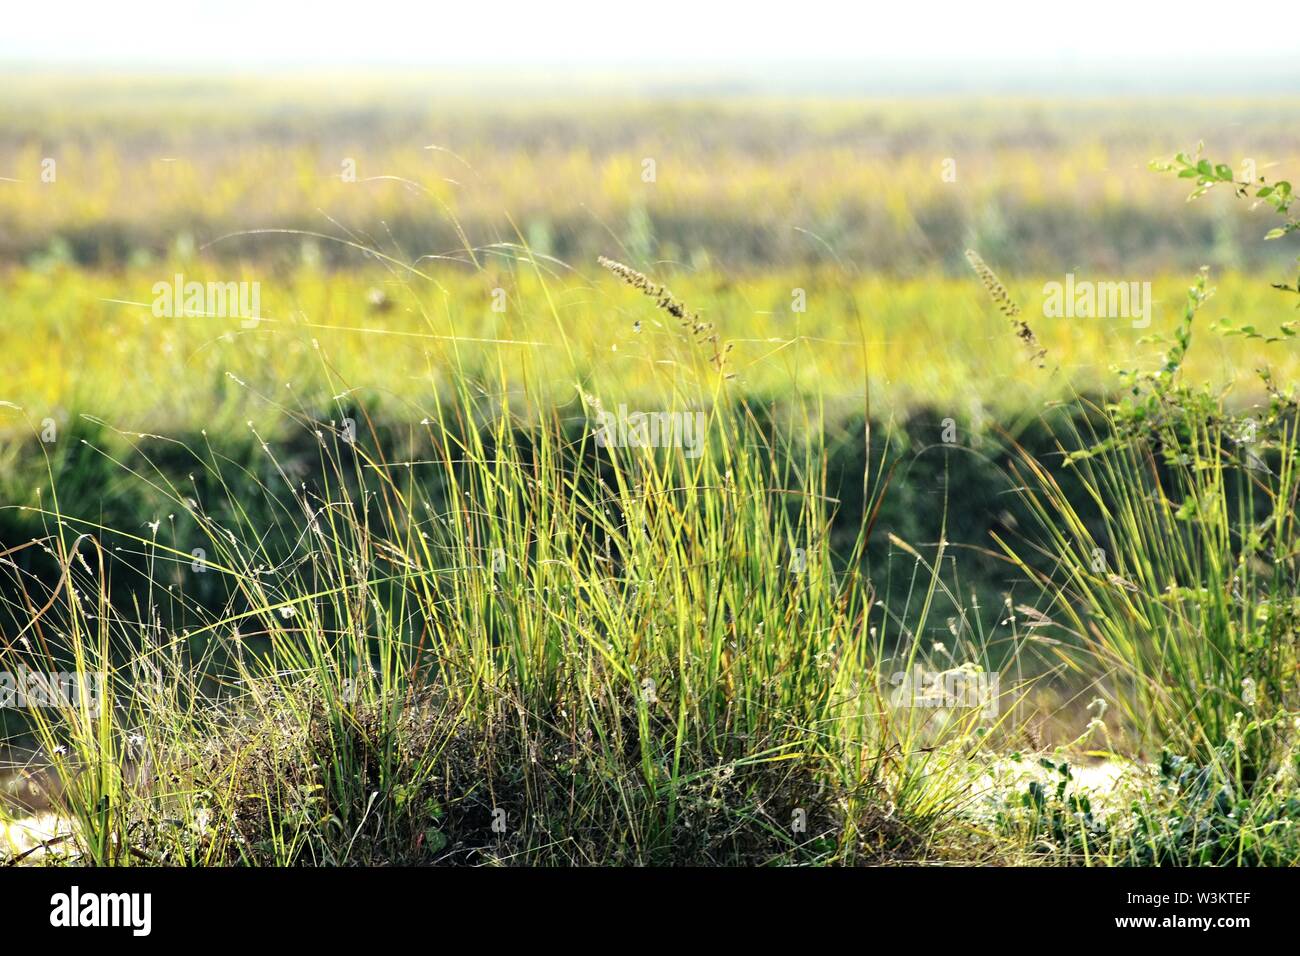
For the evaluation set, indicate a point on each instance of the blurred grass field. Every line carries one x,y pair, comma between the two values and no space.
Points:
864,205
740,181
86,342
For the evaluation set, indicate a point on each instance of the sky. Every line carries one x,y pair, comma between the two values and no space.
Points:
755,35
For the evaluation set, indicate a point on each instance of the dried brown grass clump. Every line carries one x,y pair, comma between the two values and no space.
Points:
567,799
1002,299
665,300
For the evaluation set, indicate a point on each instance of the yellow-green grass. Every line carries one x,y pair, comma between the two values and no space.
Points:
897,184
76,343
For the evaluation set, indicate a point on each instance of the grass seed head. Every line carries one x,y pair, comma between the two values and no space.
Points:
1002,299
701,331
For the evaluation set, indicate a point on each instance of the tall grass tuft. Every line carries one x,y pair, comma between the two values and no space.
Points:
490,637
